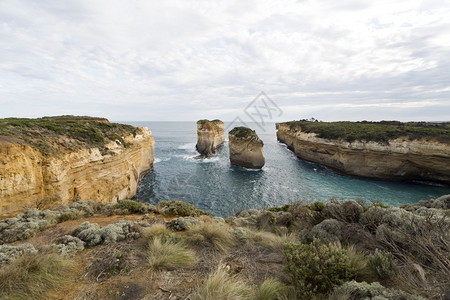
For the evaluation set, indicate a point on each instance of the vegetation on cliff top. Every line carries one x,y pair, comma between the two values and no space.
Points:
71,132
349,250
382,131
242,132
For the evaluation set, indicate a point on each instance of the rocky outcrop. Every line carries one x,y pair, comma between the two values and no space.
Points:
246,148
33,178
210,135
399,159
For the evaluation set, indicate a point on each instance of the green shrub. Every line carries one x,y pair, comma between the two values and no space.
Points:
180,208
383,264
131,206
278,209
316,268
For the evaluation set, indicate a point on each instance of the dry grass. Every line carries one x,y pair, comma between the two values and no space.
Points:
220,286
32,275
214,235
271,289
169,254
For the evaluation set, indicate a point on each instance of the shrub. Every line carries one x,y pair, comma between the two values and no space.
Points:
214,235
32,275
353,290
220,286
169,254
180,208
329,230
278,209
9,253
383,264
131,206
93,235
316,268
68,245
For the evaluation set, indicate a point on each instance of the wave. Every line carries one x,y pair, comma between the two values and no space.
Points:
188,146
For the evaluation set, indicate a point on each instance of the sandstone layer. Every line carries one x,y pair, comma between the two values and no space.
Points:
210,135
246,148
32,178
400,159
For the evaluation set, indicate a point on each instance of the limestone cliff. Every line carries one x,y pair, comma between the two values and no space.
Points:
33,177
210,135
400,158
246,148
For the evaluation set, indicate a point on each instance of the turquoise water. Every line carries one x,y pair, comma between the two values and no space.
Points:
212,184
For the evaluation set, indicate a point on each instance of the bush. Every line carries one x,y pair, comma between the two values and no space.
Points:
383,264
32,275
180,209
329,230
316,268
93,235
220,286
131,206
353,290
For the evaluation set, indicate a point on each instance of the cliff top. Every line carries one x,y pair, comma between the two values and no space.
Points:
244,132
382,131
203,121
48,134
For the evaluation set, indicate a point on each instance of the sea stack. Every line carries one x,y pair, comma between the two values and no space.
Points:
210,135
246,148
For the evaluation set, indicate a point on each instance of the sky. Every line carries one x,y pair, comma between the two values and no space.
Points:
187,60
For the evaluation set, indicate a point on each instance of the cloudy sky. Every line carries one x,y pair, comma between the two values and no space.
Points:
186,60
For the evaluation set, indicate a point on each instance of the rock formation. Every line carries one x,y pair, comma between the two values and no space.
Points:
32,178
210,135
399,159
246,148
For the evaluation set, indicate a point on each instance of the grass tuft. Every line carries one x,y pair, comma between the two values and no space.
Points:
220,286
214,235
169,254
32,275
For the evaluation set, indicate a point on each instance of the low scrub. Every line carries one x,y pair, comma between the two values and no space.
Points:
32,275
180,209
314,269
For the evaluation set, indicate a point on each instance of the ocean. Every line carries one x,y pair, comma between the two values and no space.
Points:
214,185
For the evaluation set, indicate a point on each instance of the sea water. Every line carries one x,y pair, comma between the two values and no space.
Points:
213,184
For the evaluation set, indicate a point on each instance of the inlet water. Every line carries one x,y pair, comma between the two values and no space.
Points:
212,184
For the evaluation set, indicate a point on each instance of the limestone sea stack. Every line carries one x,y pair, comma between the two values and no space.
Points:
48,162
246,148
388,150
210,135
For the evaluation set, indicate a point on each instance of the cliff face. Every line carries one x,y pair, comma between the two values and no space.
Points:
246,149
31,178
210,135
400,159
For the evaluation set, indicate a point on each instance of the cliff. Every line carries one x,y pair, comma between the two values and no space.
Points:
210,135
246,148
45,163
408,156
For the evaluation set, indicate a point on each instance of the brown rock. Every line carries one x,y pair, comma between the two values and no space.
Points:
210,135
246,148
